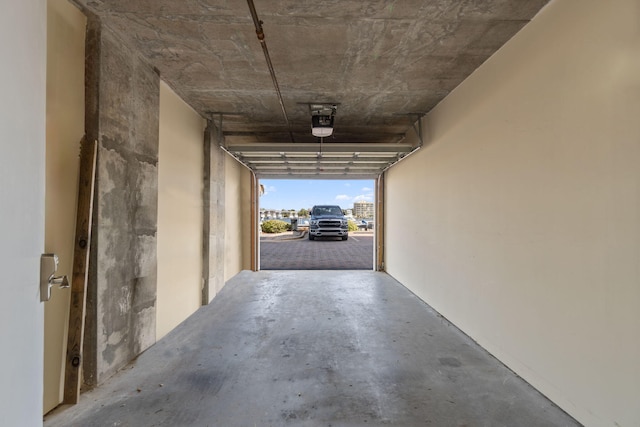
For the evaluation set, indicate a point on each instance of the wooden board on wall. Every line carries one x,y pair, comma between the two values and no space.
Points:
73,364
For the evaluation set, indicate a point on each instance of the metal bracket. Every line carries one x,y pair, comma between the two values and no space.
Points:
418,131
417,118
48,267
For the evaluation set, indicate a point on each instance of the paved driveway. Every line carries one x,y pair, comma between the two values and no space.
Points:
278,253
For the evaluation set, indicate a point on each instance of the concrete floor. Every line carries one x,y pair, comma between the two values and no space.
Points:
314,348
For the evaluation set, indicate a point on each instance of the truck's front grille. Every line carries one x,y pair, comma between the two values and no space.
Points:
329,223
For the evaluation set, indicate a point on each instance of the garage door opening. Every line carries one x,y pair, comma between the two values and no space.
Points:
337,235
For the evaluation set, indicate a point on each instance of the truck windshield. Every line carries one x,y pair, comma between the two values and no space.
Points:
327,210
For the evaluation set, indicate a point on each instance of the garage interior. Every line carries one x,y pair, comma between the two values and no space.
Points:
508,127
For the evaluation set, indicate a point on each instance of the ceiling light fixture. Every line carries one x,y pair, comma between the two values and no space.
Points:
322,117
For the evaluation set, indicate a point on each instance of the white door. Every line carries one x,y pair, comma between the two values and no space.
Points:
22,154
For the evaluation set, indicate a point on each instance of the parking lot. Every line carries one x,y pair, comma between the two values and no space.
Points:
286,252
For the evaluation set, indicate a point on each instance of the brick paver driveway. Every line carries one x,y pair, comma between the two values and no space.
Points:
356,253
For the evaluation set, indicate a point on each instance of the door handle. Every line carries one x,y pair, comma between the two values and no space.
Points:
48,268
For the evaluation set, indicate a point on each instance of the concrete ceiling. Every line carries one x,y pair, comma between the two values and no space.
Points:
383,62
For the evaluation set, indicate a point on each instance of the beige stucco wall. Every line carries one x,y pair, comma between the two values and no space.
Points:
237,218
246,207
520,219
180,211
65,127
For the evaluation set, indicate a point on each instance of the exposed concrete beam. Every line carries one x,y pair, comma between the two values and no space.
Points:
122,113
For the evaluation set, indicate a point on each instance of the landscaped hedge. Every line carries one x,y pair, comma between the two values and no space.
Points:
353,226
275,226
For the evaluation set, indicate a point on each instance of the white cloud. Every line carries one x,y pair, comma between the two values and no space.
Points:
269,189
343,197
347,184
363,197
366,189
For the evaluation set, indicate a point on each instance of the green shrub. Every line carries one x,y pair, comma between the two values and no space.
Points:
275,226
353,226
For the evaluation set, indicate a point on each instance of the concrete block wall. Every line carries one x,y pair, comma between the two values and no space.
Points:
122,115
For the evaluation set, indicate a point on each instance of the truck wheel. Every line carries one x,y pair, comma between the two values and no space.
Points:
311,237
345,237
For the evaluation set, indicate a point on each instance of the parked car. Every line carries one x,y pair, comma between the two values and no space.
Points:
328,221
366,224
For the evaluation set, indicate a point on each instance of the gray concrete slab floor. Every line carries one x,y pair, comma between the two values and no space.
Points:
314,348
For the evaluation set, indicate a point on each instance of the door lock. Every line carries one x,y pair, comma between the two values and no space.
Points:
48,267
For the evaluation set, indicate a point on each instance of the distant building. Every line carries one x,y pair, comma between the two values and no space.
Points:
363,209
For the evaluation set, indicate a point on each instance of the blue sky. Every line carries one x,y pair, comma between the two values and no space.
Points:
302,193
